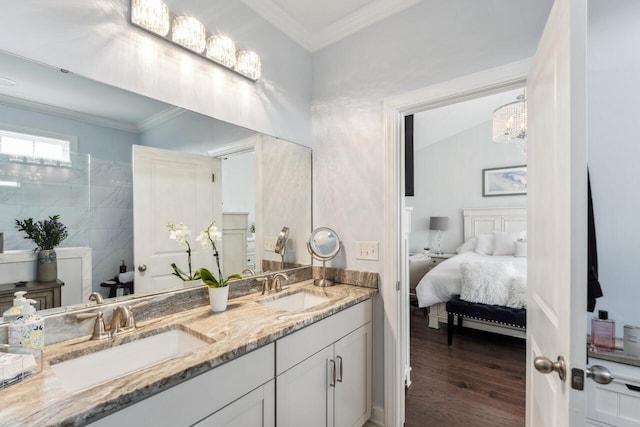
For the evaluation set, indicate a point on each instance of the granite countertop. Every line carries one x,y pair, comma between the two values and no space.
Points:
245,325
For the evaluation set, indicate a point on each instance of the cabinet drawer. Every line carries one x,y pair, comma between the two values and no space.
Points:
300,345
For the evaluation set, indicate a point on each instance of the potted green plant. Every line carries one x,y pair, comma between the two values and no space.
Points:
218,286
47,234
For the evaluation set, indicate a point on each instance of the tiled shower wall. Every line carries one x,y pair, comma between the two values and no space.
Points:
93,198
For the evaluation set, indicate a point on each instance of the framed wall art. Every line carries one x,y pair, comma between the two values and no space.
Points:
506,181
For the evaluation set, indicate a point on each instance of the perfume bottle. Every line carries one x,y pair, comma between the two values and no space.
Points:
603,332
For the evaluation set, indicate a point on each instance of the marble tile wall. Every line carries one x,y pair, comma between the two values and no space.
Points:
111,213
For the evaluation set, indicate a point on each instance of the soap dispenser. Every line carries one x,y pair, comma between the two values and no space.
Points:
27,330
14,311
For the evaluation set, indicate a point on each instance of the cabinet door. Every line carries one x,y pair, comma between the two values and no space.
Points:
302,392
255,409
352,399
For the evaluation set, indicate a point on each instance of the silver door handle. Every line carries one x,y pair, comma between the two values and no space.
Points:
599,374
142,268
546,366
340,370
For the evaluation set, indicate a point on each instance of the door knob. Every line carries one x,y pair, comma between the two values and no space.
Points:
599,374
142,268
546,366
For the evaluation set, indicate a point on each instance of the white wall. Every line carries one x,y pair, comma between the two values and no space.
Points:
431,42
614,151
448,178
239,184
95,39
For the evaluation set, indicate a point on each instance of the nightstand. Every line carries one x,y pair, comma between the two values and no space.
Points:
437,259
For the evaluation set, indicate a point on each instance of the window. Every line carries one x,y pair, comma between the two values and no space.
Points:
34,146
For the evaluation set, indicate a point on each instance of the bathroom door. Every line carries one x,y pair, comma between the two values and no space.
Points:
557,219
169,186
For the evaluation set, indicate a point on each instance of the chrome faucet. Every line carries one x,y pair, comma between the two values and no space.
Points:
95,296
251,272
276,283
122,320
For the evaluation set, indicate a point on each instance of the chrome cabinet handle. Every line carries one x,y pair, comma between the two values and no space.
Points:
340,378
546,366
333,373
142,268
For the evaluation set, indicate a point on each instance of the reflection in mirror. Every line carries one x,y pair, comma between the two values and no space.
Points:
324,244
281,243
93,191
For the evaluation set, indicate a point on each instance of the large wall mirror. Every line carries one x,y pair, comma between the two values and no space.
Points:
264,182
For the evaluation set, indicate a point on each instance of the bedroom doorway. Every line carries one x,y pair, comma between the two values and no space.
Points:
453,150
396,338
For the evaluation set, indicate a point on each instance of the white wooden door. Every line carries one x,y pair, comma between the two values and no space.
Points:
352,396
169,186
303,393
557,222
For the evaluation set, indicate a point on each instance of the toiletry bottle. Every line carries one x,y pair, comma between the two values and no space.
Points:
28,329
123,267
15,310
603,332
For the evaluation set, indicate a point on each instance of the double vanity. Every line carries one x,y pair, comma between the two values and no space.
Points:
301,356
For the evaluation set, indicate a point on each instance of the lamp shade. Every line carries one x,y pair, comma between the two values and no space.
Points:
440,223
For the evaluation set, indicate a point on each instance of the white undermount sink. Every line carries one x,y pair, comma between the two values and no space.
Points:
113,362
295,302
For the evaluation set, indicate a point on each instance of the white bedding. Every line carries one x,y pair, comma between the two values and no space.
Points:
445,279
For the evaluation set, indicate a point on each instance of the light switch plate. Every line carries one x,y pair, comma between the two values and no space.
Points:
367,250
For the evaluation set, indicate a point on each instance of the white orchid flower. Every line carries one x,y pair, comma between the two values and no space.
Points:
203,238
179,232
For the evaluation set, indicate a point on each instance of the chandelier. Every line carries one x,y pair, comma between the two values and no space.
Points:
510,122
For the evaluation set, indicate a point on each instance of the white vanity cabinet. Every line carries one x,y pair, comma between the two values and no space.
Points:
234,241
238,393
324,372
617,403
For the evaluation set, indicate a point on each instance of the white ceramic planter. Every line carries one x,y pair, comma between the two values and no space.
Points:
218,298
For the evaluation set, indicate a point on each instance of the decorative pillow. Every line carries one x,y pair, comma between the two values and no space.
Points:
467,246
503,243
486,282
517,294
484,244
520,248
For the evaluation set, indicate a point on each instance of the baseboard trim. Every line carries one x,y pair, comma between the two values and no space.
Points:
377,416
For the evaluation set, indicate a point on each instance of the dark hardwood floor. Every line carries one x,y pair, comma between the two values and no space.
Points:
478,381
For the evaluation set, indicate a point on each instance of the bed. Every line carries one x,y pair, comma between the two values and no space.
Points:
444,281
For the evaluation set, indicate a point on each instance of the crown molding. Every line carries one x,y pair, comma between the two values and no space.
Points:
350,24
159,118
358,20
66,114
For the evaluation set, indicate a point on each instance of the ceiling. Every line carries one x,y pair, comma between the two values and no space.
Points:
435,125
315,24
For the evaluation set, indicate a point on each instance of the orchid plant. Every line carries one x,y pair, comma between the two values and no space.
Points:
207,238
181,233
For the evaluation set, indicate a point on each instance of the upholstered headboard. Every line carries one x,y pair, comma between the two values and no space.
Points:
489,220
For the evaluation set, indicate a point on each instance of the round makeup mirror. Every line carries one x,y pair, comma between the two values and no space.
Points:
324,244
281,243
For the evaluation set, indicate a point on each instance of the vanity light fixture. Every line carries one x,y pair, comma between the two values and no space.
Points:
189,33
152,15
222,50
249,64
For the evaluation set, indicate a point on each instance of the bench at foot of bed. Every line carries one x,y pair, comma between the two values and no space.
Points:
498,314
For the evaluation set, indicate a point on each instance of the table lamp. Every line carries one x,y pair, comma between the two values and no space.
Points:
439,224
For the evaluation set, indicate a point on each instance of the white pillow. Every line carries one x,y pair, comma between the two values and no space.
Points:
517,294
520,248
486,282
484,244
503,243
467,246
